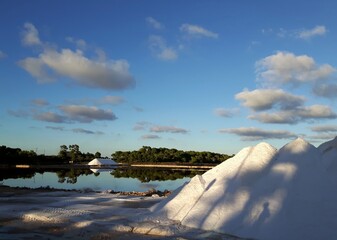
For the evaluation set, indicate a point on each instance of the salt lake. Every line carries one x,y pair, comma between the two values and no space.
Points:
119,179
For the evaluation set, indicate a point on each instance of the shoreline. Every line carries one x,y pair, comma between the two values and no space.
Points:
149,193
122,165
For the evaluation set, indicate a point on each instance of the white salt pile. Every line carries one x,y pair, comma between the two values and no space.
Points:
263,193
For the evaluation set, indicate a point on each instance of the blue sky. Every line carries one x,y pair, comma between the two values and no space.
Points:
192,75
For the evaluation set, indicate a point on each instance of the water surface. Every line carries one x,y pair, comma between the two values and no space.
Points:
126,179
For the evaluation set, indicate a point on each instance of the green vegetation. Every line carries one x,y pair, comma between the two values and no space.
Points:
14,156
72,154
154,155
66,155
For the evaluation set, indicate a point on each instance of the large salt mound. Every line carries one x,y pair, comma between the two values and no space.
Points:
261,193
329,159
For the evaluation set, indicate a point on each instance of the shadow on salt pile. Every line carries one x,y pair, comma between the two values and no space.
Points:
260,193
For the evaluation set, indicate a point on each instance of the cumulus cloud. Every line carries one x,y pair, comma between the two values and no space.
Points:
281,117
309,33
316,111
30,35
52,64
150,136
222,112
284,67
264,99
324,128
154,23
296,115
160,49
77,67
325,90
50,117
197,31
37,69
167,129
87,114
254,134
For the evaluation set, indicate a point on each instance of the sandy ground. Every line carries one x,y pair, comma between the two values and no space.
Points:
44,214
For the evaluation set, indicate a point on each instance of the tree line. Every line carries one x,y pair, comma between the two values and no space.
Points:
72,154
66,155
148,154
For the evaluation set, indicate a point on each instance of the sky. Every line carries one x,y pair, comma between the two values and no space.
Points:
192,75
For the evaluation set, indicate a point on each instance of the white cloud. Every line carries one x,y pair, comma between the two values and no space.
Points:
167,129
264,99
254,134
296,115
77,67
37,69
305,34
324,128
74,65
326,90
221,112
316,111
309,33
85,114
50,117
30,35
281,117
160,49
197,31
285,67
154,23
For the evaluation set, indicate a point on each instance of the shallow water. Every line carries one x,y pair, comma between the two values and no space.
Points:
116,180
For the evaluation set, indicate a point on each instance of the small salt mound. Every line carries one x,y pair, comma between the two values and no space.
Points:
260,193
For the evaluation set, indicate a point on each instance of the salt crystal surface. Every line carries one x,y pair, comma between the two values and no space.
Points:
263,193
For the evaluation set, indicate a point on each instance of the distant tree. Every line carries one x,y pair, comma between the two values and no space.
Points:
97,155
63,153
74,152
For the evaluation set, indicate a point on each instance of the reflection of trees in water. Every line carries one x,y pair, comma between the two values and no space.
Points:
153,174
71,175
17,173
